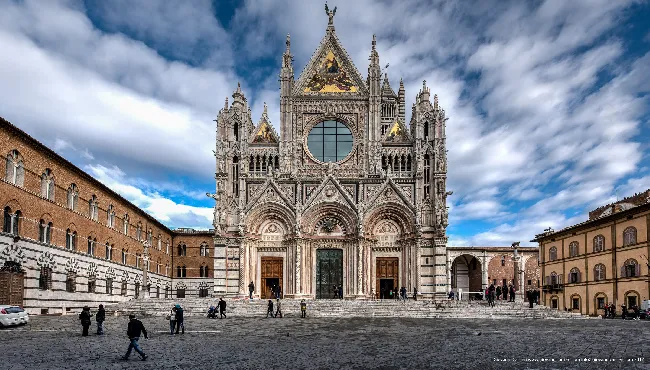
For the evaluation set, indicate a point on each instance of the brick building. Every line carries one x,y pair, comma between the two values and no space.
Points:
599,261
80,242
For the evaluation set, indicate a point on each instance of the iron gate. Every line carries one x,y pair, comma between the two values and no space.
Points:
329,272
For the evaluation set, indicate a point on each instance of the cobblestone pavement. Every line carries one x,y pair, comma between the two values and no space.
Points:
55,342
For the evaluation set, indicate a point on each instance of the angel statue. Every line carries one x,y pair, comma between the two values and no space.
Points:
330,13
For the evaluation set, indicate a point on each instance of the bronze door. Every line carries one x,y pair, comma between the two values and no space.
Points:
271,271
329,272
386,275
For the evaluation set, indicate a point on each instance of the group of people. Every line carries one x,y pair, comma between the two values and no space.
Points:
610,312
401,294
134,330
278,308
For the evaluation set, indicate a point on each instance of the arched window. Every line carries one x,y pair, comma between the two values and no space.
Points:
553,279
235,131
159,242
573,249
503,260
150,237
235,176
93,208
91,246
599,272
42,227
631,268
574,275
178,271
126,224
110,216
205,271
599,243
629,236
426,130
73,197
7,220
108,251
124,256
47,185
184,271
15,170
71,282
182,250
138,232
552,254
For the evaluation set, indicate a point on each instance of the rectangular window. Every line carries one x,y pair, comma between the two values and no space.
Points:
180,293
109,286
504,282
91,285
45,279
600,301
554,303
71,282
530,282
123,288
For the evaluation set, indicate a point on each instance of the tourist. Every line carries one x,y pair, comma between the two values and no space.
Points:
396,293
278,295
279,309
530,295
498,292
623,311
179,319
637,312
133,332
450,296
512,293
269,310
172,320
222,308
303,309
100,317
85,316
340,292
504,291
251,288
415,293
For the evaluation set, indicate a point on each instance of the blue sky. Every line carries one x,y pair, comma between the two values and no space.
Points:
548,100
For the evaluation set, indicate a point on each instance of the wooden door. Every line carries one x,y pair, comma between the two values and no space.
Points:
271,272
387,268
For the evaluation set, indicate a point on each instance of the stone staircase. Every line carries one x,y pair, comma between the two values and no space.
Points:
346,309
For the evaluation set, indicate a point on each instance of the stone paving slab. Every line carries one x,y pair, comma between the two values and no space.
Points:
55,342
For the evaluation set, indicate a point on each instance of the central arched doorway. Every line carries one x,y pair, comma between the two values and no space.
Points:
329,273
466,275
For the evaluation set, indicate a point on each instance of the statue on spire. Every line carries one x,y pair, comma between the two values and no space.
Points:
330,14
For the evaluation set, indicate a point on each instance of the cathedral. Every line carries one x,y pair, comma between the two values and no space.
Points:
346,196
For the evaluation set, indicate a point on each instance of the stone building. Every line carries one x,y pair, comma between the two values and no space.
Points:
346,194
599,261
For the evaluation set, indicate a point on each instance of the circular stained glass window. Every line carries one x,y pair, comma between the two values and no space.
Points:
330,141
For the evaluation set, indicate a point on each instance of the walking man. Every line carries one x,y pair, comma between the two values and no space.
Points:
251,288
179,319
269,310
279,309
133,332
101,316
85,316
303,309
222,308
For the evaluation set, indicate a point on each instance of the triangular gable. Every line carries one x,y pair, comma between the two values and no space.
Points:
269,192
330,190
330,70
264,134
398,133
394,194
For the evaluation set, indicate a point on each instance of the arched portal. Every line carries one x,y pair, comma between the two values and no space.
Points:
466,274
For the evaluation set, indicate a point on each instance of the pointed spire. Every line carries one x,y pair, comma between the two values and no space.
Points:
401,84
238,96
386,90
266,110
435,101
288,42
374,56
424,93
225,107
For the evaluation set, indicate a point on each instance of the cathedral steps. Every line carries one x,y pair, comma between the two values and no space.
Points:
345,309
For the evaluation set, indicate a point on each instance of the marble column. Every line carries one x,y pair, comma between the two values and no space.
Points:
242,267
298,270
360,268
484,273
418,262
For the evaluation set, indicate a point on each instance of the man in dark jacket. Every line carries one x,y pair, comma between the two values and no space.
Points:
179,319
222,308
251,289
85,316
269,310
133,332
100,317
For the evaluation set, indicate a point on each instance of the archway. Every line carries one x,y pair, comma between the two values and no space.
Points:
466,275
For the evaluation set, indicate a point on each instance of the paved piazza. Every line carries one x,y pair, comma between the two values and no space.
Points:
311,343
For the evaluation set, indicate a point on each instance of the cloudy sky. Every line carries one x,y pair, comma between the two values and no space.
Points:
548,100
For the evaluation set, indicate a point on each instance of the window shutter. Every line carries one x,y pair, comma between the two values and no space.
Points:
548,280
43,186
559,279
9,170
51,189
20,175
638,270
578,279
623,274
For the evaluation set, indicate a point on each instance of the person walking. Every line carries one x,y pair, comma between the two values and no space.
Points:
134,330
512,293
100,317
303,309
415,294
179,319
251,288
269,309
279,308
84,317
504,291
498,292
222,308
172,320
340,292
531,298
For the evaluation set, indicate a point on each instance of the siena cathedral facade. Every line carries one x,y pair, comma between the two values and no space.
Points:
345,195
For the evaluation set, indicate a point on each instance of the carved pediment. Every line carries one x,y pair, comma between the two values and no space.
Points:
398,134
269,192
330,190
389,192
330,71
